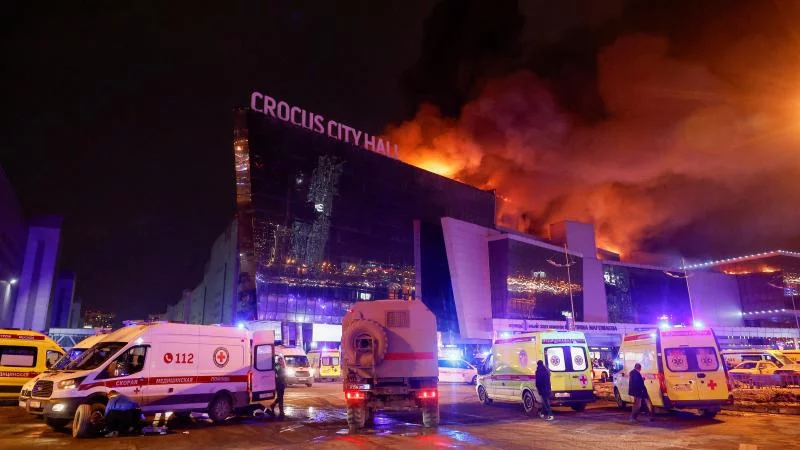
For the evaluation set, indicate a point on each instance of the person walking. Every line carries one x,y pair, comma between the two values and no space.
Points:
543,386
638,391
122,414
280,386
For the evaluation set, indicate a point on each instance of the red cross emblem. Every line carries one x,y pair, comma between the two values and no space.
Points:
583,380
221,357
712,384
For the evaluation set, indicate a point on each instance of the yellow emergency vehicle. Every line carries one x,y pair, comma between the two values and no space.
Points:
682,369
325,364
23,355
509,372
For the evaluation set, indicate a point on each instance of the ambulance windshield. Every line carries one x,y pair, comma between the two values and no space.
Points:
70,356
295,360
95,356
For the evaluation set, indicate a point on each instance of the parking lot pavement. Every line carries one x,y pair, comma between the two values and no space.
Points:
317,416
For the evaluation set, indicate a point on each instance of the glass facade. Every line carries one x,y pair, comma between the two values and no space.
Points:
641,295
526,285
328,224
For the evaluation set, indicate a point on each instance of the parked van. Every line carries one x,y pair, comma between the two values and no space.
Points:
163,367
326,364
298,368
509,372
682,369
734,357
69,356
24,355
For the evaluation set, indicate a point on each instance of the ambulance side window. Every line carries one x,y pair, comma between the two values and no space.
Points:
128,363
264,357
486,368
52,357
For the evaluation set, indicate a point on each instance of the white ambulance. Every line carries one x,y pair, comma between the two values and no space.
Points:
71,355
163,367
298,368
682,369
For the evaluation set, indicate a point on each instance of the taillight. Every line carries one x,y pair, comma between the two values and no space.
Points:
249,381
661,383
426,394
730,384
354,395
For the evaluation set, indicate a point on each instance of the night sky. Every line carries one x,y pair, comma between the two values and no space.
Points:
119,117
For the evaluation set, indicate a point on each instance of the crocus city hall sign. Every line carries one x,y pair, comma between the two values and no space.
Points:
316,122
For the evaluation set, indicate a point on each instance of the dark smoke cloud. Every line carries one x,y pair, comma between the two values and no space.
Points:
696,150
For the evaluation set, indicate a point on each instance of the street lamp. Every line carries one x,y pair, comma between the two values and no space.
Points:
567,263
786,284
7,298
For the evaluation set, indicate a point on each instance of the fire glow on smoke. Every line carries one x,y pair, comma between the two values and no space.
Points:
684,146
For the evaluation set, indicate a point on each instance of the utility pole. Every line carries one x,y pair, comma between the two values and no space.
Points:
567,263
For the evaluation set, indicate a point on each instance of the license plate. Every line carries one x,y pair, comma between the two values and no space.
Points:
562,394
36,404
359,386
681,387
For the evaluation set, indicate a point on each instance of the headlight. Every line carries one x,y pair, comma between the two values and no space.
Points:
72,383
290,372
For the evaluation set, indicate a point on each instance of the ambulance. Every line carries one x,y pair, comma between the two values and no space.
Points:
298,368
682,369
24,355
325,364
164,367
509,372
71,355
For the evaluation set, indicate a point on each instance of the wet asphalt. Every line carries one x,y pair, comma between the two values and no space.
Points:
316,416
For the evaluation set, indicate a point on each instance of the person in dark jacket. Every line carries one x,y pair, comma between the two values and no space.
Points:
280,386
638,391
543,386
122,414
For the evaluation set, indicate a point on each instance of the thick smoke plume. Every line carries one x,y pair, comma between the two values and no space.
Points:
683,149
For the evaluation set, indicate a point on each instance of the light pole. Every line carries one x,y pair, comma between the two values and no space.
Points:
7,298
685,276
567,263
786,284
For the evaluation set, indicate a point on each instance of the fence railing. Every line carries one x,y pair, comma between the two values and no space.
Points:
766,380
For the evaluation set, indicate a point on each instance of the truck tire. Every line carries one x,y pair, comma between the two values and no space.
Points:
578,406
56,424
361,327
370,420
84,422
356,417
220,408
430,414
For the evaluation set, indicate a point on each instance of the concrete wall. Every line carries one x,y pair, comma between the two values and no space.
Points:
468,258
715,298
38,272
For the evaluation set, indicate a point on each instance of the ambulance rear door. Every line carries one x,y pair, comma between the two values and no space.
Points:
263,371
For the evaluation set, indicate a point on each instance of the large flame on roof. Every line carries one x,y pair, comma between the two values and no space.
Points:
681,149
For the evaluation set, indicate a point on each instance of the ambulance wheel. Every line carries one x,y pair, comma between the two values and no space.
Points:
356,417
578,407
309,384
618,399
220,408
430,414
87,420
529,403
483,396
56,424
709,413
